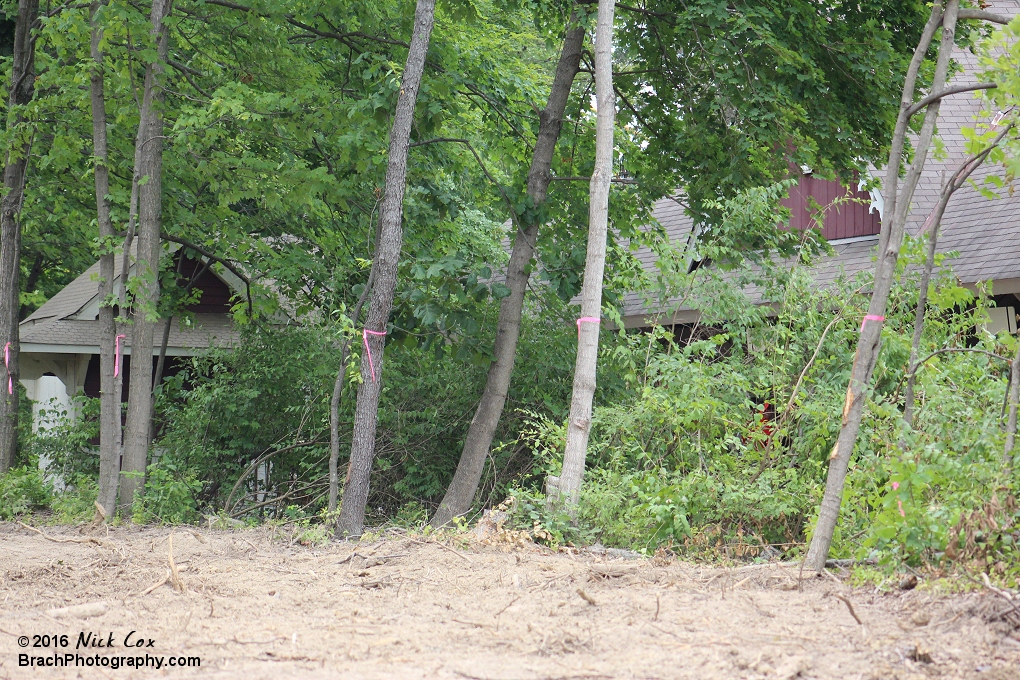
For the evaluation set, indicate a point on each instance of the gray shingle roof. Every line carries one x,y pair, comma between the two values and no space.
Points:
81,336
56,327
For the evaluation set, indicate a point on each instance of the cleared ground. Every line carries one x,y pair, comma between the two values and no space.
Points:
250,604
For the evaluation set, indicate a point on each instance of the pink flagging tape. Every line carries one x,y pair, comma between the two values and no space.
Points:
364,339
871,317
116,355
586,319
899,503
7,365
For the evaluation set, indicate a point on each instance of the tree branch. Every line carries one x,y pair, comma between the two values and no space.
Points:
185,71
946,92
215,258
982,15
293,21
579,178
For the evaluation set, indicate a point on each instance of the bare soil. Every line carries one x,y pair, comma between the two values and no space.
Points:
252,604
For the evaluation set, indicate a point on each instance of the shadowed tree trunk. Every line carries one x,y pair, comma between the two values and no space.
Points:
15,170
149,157
387,256
462,489
890,241
579,421
109,398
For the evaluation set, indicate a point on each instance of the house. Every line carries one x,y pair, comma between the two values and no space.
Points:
60,340
985,232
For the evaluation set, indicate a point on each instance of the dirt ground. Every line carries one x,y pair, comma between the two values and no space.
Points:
251,604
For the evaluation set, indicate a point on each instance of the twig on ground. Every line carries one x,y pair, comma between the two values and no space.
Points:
849,606
444,547
586,597
155,585
508,605
472,623
830,575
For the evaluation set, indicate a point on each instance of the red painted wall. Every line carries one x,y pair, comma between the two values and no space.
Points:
847,220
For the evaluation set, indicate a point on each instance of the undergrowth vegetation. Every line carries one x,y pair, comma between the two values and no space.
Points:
708,440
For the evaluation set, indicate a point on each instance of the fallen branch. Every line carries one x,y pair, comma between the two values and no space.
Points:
89,539
1001,593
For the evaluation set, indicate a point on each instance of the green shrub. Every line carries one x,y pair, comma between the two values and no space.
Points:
76,503
23,489
169,496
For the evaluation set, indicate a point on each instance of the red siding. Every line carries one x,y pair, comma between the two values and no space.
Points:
846,220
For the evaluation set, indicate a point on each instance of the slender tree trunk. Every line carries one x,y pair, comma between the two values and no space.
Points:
15,170
1014,396
915,343
334,402
932,225
387,257
462,489
579,422
109,399
897,208
150,166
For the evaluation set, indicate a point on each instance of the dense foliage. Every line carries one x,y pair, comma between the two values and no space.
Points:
710,439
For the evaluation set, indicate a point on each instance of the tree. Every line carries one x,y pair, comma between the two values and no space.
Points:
461,491
387,258
897,208
579,421
18,152
149,170
109,423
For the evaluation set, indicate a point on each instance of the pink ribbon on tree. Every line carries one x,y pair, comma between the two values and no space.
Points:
871,317
116,355
586,319
7,365
899,503
364,338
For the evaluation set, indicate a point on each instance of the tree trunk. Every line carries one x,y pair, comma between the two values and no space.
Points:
387,257
109,398
334,402
579,422
932,225
897,208
15,169
461,492
1014,396
150,167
